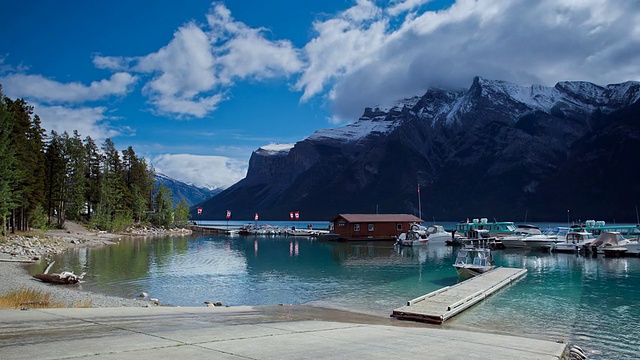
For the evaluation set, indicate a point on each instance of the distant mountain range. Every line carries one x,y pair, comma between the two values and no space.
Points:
190,193
496,150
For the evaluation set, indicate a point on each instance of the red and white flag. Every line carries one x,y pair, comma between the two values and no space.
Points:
297,215
255,217
228,214
199,211
291,215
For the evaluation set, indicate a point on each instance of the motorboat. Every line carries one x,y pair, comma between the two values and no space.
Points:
515,240
548,238
574,241
421,235
472,261
612,243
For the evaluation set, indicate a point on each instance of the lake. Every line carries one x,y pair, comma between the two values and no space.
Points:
591,302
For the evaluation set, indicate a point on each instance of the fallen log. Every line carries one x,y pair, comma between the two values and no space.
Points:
64,277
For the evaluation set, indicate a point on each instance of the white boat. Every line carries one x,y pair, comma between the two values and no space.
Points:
612,243
574,241
515,240
548,238
422,235
472,261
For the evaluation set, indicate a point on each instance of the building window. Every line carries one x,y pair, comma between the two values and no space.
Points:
399,226
370,227
341,223
356,227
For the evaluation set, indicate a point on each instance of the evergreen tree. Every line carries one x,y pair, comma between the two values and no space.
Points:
9,176
27,141
78,165
182,213
93,176
55,179
164,207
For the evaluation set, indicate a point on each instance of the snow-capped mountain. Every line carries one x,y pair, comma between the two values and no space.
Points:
496,149
190,193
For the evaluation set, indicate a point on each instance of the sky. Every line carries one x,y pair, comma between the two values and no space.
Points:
196,86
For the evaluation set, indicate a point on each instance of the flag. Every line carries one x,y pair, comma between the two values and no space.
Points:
291,215
256,217
199,211
228,214
297,215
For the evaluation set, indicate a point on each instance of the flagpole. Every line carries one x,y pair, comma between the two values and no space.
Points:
419,203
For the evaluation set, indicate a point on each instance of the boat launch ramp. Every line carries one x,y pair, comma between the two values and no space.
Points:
440,305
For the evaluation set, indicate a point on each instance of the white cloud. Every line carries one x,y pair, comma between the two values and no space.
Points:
41,89
89,121
201,170
193,73
363,61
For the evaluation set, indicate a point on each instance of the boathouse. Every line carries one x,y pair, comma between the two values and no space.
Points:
372,226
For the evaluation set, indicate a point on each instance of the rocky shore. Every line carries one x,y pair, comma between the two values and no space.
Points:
17,250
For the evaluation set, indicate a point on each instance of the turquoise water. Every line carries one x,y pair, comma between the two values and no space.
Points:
591,302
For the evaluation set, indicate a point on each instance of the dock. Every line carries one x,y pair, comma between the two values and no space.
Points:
210,230
440,305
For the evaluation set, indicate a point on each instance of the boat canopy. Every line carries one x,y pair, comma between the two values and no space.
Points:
608,238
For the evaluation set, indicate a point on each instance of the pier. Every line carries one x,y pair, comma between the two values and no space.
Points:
440,305
208,230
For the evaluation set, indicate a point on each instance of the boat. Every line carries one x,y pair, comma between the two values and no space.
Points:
575,241
472,261
495,228
612,243
421,235
548,238
515,240
599,227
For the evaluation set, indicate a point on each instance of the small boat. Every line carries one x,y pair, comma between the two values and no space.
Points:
472,261
575,241
421,235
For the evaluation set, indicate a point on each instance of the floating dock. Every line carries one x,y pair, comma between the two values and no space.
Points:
440,305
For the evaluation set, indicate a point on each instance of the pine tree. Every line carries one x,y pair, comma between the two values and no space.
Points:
9,176
27,141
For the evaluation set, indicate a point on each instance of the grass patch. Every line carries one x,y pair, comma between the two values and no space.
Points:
32,299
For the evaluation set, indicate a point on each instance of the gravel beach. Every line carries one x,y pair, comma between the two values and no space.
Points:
17,250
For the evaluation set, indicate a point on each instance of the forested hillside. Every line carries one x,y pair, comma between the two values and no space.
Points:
46,178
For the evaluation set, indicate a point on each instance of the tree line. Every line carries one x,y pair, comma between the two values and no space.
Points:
46,179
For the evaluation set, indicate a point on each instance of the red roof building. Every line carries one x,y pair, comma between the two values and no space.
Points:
372,226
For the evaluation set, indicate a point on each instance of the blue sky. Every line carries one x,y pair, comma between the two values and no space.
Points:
196,86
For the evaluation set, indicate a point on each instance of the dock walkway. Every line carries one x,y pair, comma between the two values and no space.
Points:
440,305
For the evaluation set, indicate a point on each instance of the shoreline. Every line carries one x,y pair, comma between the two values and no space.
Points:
42,245
38,246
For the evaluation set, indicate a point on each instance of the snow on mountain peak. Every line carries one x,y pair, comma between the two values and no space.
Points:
277,149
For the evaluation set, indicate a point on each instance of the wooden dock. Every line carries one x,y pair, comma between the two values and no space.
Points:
440,305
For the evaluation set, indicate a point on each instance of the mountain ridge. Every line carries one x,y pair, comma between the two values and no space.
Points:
496,149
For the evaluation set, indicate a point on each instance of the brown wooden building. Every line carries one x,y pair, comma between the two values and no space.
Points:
372,226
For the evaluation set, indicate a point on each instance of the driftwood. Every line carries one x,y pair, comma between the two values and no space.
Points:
65,277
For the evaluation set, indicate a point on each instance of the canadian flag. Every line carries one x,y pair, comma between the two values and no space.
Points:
291,215
297,215
199,211
256,217
228,214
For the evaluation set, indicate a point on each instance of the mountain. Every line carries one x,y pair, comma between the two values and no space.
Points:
180,190
495,150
